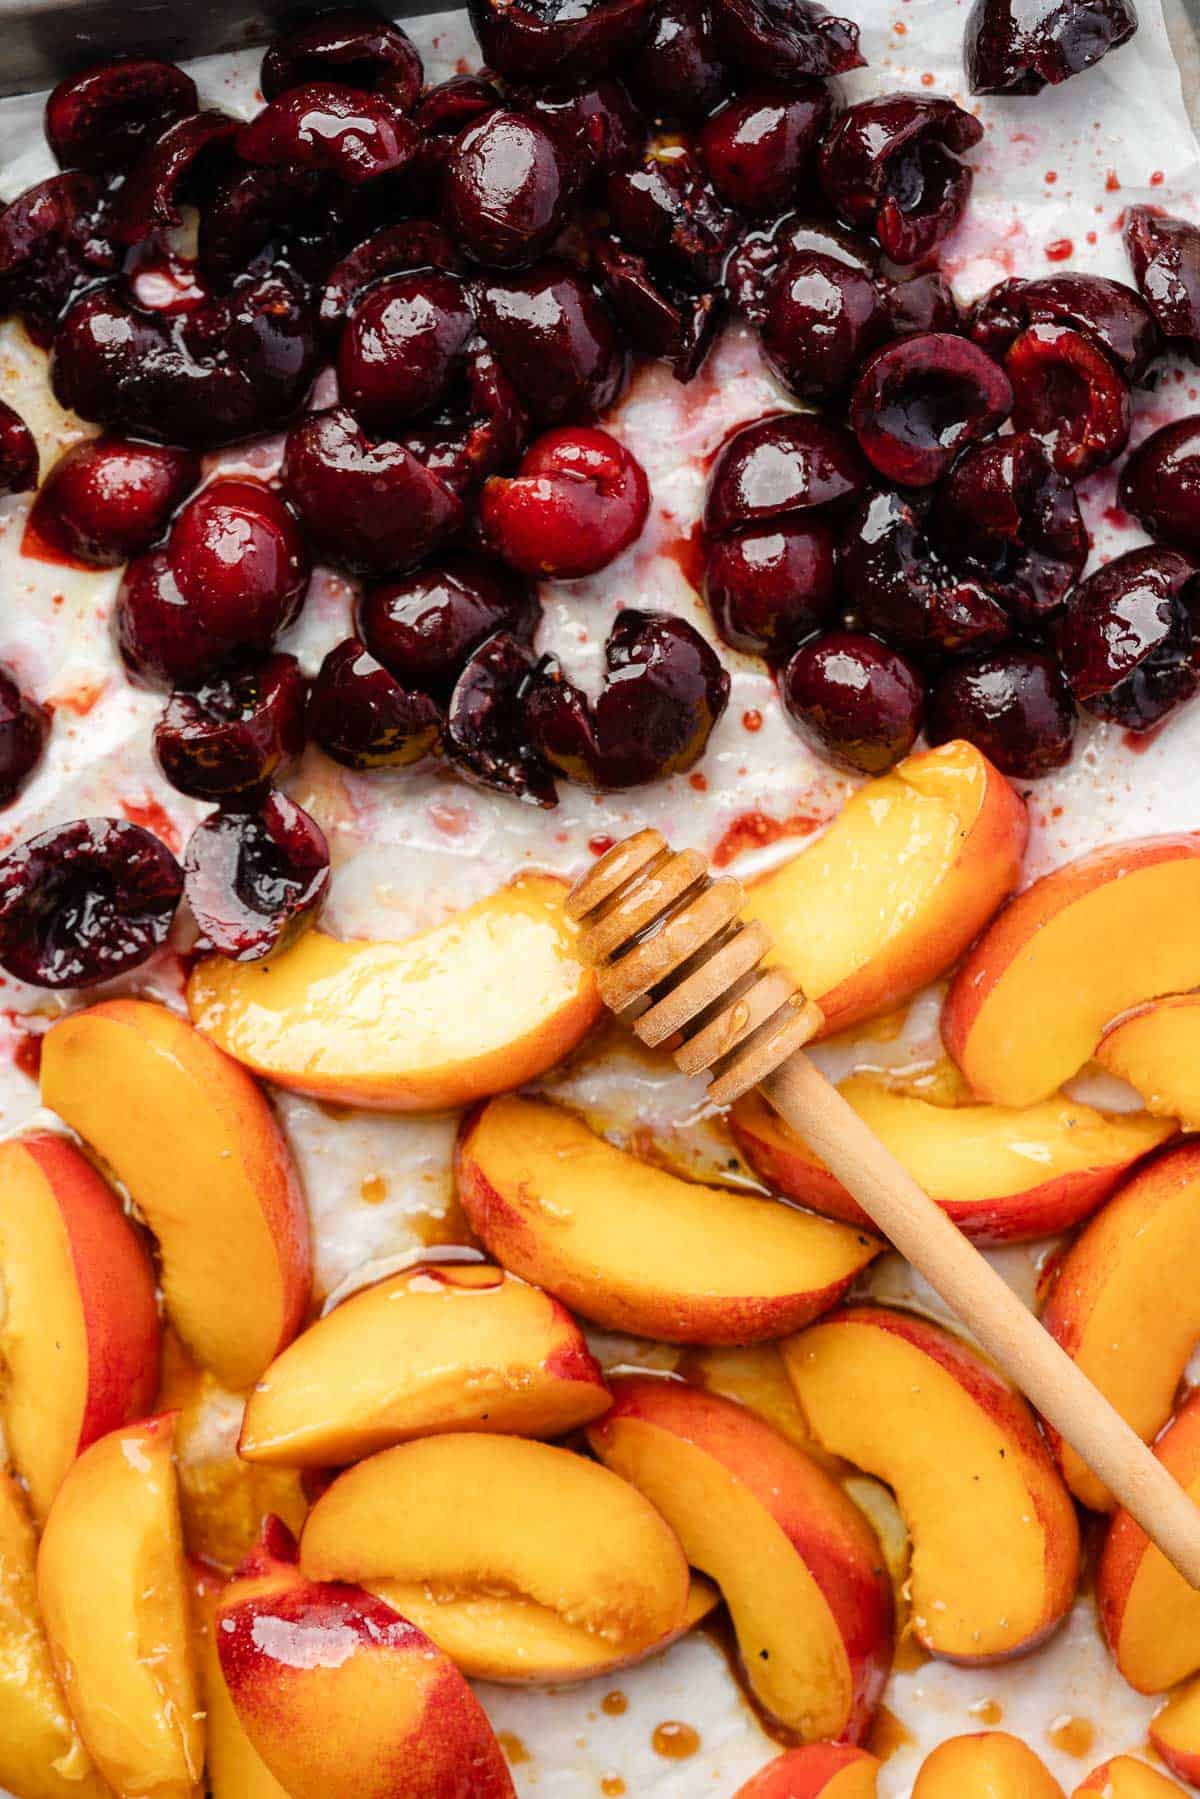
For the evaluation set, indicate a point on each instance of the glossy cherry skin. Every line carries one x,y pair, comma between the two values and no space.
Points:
767,586
256,876
554,41
668,208
894,166
364,718
1011,703
84,902
659,313
1160,484
396,250
762,146
487,738
1112,315
255,217
578,499
355,46
508,183
597,127
920,401
665,690
109,498
54,242
372,507
102,120
921,303
424,626
177,168
448,108
785,462
822,316
402,347
1164,254
1021,46
1129,638
785,39
856,701
678,73
901,588
1070,396
18,452
752,266
234,732
480,430
357,137
24,728
555,340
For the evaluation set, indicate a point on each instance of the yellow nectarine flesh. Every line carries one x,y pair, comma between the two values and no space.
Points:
233,1766
1156,1048
989,1764
1175,1733
1124,1777
817,1771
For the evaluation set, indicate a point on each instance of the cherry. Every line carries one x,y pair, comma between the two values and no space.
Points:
921,303
597,127
784,39
1160,484
767,586
678,73
84,902
669,208
255,877
785,462
403,344
1164,254
424,626
1012,704
354,135
508,182
1018,46
854,700
446,109
659,314
752,266
54,242
487,737
762,146
578,499
18,452
555,340
664,692
234,732
102,119
362,716
1129,638
396,250
920,401
109,498
893,165
900,587
24,728
355,46
257,216
821,317
1070,396
177,168
1109,313
481,429
548,41
368,506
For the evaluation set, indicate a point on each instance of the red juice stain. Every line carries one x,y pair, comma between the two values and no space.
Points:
1156,179
927,78
900,28
687,553
754,830
1050,177
699,782
153,817
1112,182
1091,237
35,549
1059,249
27,1050
79,700
1115,516
601,843
752,719
1139,741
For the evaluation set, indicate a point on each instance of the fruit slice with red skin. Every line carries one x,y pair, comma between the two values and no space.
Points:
234,1768
1125,1777
1156,1048
1175,1733
578,499
830,1770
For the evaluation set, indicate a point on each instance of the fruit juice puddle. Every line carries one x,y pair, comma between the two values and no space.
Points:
409,850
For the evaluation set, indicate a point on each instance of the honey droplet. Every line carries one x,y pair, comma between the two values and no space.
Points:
374,1189
514,1749
614,1704
1074,1736
988,1711
675,1742
887,1734
612,1786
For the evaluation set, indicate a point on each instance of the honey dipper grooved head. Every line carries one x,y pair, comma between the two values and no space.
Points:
670,950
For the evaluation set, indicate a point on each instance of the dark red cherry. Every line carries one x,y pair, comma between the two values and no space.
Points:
396,250
448,108
555,340
664,691
752,266
669,208
1129,638
1011,703
356,136
821,317
578,499
1070,396
900,586
1110,314
1019,46
854,700
54,242
678,72
784,39
659,314
767,586
364,718
257,216
922,303
102,120
1160,484
785,462
109,498
234,732
553,41
256,876
85,902
761,148
403,345
18,452
894,165
424,626
355,46
597,126
481,430
176,168
507,185
24,728
920,401
487,738
1164,254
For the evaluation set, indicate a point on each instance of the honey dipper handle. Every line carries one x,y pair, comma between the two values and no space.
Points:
1005,1327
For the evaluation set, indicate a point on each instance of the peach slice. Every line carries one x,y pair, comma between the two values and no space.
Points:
907,875
1085,943
987,1765
483,1517
1125,1304
1175,1733
79,1336
112,1584
995,1556
827,1770
194,1141
798,1565
456,1346
234,1768
343,1699
1003,1174
1124,1777
636,1248
1156,1048
485,1002
41,1756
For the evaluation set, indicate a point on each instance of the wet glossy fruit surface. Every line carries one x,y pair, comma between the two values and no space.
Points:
895,166
364,717
235,732
1013,704
853,699
1160,484
24,728
919,402
1129,637
255,878
1021,46
109,498
424,626
767,586
578,499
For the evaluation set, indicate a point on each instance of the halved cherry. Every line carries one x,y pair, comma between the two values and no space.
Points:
255,877
353,45
18,452
110,497
234,732
920,401
102,119
364,718
1070,396
578,499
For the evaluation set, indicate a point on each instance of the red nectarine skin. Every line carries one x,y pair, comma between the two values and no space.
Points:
805,1773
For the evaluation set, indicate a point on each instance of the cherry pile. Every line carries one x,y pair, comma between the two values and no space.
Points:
481,262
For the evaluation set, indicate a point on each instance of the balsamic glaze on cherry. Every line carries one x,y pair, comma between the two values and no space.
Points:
578,499
181,166
109,498
760,148
854,699
659,313
488,737
424,626
894,165
402,347
24,728
900,587
1129,637
356,136
364,717
55,241
597,126
785,39
353,45
1012,703
1115,318
921,400
785,462
555,339
1021,46
768,586
255,876
821,317
1070,396
678,73
669,208
102,119
549,41
507,185
1160,484
395,250
234,732
1164,254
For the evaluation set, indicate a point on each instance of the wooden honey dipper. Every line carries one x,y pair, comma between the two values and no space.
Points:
672,954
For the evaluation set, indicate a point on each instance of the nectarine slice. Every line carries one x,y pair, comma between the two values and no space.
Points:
1003,1174
1085,943
480,1516
1124,1777
995,1540
233,1766
817,1771
196,1144
1125,1303
797,1563
112,1585
455,1346
79,1334
636,1248
485,1002
989,1764
906,876
1156,1048
1175,1733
